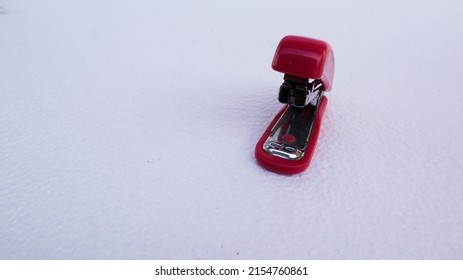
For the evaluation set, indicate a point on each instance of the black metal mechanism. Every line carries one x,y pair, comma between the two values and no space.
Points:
299,92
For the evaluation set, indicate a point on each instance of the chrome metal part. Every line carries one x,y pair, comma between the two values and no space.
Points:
316,90
289,136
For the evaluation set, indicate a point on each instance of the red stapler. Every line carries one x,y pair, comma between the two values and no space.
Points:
288,143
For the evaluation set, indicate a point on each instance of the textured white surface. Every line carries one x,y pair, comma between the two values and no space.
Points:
127,130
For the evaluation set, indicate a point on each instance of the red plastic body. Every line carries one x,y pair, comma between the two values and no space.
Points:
306,58
284,166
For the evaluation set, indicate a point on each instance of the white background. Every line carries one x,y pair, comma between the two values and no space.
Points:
127,131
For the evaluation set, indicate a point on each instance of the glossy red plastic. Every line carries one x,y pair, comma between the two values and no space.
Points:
284,166
306,58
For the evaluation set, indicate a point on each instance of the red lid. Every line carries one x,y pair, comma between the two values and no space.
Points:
306,58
